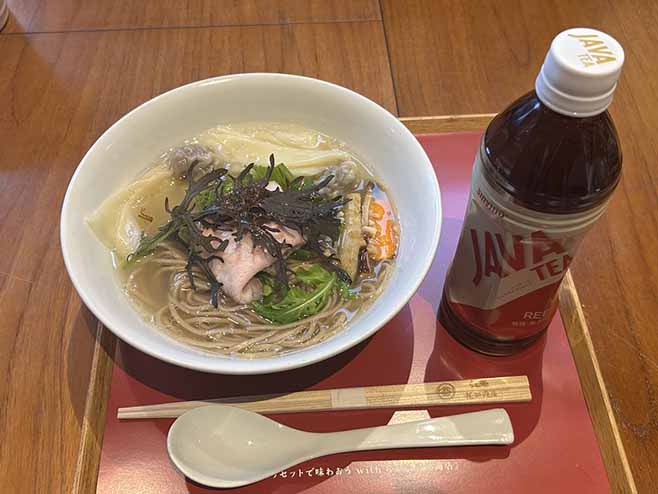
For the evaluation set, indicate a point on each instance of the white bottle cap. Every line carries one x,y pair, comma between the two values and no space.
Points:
580,72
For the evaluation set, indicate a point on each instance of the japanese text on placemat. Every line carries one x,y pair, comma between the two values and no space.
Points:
395,467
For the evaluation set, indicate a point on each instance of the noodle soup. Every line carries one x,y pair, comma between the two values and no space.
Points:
252,240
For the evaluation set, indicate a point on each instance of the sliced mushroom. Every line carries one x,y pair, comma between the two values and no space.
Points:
364,261
365,208
369,231
351,239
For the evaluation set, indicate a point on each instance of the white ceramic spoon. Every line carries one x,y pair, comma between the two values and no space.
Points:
223,446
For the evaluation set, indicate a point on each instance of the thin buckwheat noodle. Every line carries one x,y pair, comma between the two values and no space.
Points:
233,329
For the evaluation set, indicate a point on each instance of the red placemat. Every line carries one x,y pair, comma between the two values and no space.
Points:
555,448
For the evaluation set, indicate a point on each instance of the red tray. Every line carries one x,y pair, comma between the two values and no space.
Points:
555,448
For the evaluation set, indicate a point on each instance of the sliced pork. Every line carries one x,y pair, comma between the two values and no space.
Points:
241,262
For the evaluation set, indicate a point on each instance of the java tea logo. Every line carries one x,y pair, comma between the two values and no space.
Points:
493,256
597,52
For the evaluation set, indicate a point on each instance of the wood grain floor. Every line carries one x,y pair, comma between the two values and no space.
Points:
75,15
69,68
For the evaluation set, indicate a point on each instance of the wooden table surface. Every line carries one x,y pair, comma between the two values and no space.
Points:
69,68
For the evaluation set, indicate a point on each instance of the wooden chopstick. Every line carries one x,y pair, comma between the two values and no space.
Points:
466,391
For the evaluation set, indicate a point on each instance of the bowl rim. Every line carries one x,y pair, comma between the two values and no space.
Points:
265,365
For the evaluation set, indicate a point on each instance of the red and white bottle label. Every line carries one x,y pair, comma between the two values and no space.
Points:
510,261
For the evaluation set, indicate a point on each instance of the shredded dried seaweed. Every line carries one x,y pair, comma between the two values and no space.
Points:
244,205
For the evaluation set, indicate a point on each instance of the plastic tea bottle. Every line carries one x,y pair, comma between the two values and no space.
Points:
543,175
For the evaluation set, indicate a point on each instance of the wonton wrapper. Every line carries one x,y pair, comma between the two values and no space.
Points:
303,151
117,222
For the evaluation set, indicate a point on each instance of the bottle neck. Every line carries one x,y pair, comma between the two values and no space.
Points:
568,105
549,162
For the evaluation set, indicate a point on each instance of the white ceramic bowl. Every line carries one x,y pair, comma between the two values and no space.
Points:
122,152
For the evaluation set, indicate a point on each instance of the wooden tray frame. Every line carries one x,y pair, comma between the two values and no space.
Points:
594,389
